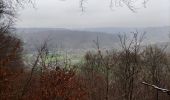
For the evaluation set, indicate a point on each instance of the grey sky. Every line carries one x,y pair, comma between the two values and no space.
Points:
67,14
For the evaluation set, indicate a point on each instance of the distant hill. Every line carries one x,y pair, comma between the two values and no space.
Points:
153,34
84,38
64,38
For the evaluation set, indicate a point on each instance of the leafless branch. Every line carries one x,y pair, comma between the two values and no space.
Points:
157,88
130,4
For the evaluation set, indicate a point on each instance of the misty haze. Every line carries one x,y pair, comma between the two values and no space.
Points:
84,50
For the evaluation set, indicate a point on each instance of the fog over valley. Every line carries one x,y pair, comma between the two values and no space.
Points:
83,39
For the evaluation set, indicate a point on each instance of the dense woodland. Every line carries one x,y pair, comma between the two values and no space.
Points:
133,73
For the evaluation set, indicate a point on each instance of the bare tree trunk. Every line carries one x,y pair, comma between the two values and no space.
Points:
107,83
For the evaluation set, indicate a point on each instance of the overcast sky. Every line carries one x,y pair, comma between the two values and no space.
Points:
67,14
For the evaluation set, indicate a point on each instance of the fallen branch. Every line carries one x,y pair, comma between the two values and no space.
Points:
157,88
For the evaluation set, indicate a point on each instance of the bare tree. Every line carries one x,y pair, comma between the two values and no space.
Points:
10,45
156,66
128,67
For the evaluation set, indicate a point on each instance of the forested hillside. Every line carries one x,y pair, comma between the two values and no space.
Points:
76,63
